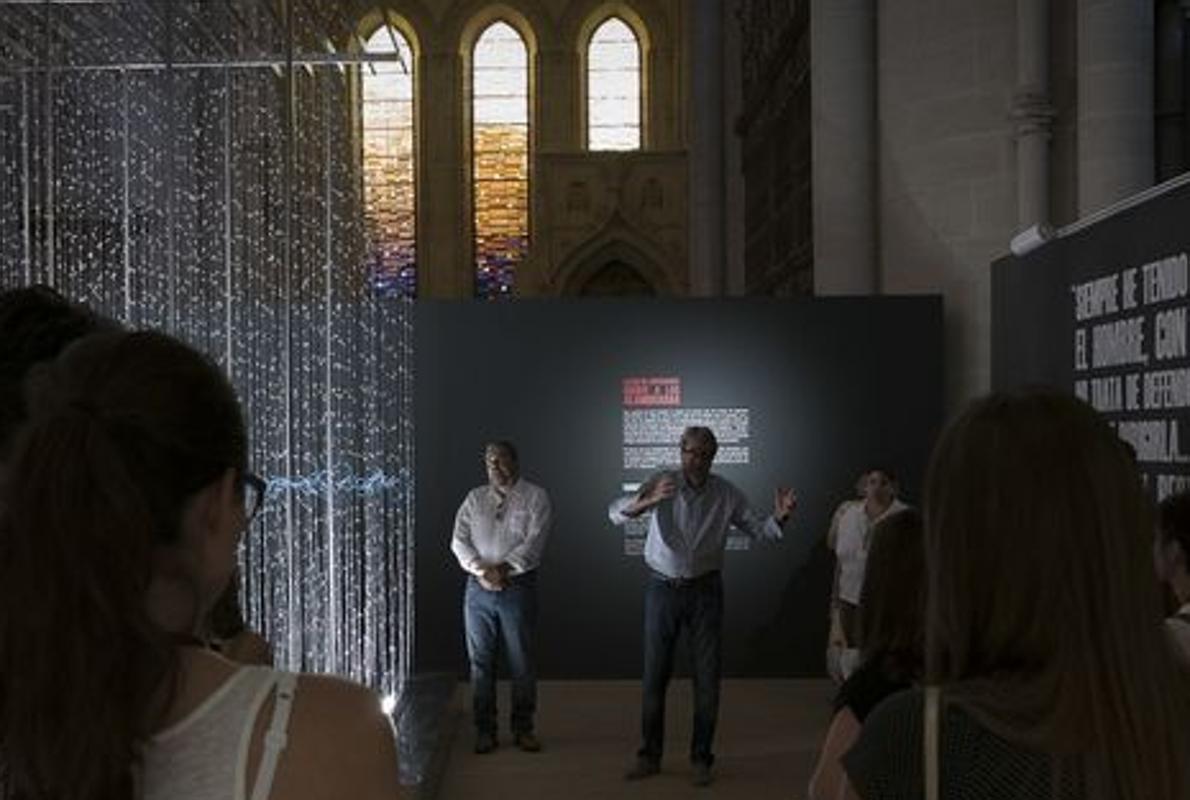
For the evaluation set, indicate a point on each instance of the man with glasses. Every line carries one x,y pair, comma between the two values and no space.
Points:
499,534
690,515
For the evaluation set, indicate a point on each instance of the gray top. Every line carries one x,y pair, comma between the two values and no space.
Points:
688,532
975,764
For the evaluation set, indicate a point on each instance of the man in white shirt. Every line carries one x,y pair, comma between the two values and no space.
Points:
850,537
499,534
690,515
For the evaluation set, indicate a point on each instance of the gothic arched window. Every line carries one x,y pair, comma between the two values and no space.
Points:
390,163
613,87
500,153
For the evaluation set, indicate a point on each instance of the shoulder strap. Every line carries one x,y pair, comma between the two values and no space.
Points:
275,737
930,745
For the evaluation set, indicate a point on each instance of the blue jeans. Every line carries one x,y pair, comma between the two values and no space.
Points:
697,606
493,619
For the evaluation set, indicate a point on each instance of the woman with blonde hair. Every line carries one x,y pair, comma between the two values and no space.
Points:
1048,670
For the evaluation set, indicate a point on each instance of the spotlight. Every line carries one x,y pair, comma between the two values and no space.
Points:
1030,239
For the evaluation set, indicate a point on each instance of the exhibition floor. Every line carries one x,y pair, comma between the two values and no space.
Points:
769,733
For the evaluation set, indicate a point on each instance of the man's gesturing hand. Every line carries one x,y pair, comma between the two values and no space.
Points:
651,494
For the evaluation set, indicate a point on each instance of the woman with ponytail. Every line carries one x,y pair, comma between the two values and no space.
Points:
36,324
125,497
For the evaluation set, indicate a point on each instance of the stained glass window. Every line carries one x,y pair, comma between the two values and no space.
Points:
390,182
500,148
613,87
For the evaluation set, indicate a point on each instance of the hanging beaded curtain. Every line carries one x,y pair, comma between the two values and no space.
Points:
189,167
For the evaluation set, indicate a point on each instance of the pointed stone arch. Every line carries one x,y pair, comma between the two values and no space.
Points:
617,262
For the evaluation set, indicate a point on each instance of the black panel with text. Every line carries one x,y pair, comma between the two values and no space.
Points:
1102,312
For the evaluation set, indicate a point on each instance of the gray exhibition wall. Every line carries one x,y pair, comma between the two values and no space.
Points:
830,386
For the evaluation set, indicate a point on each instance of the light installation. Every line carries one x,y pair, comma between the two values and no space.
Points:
193,168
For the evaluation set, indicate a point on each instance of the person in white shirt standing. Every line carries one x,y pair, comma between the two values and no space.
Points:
691,512
850,538
499,534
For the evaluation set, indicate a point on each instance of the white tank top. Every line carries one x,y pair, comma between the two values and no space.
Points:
205,755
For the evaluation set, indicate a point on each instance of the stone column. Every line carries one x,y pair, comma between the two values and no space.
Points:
445,264
664,98
708,255
1115,101
557,101
555,130
735,194
1033,113
1170,89
843,116
1185,83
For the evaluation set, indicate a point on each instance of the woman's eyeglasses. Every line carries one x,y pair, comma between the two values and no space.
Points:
254,491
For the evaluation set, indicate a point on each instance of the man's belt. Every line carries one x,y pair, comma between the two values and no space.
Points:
682,583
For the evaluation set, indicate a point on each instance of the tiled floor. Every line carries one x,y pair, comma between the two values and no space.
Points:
769,732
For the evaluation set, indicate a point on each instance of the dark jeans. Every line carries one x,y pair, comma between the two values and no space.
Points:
502,620
697,606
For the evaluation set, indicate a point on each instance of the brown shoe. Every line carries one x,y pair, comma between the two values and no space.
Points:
528,742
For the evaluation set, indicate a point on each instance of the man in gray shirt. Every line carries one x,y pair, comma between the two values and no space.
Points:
691,513
499,535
